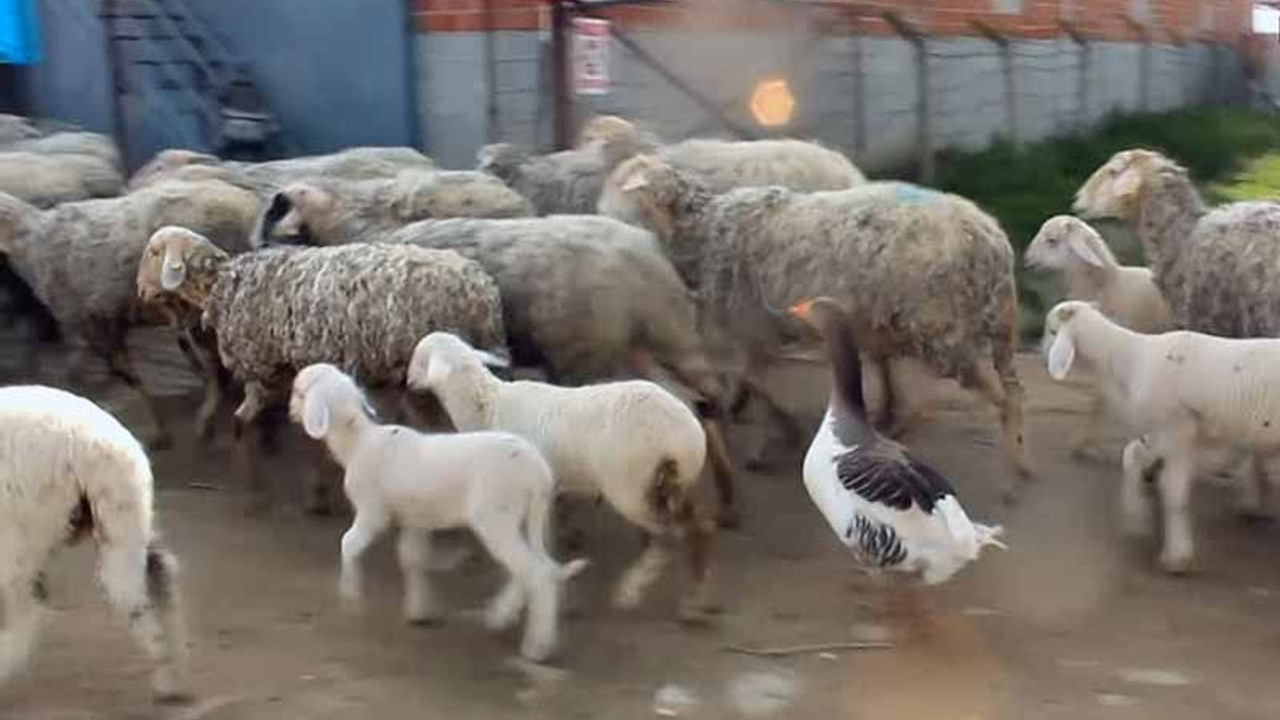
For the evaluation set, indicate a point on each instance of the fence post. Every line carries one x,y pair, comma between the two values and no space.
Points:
859,91
490,74
1086,72
924,124
119,86
560,75
1007,70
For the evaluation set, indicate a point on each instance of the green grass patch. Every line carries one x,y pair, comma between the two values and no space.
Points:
1023,187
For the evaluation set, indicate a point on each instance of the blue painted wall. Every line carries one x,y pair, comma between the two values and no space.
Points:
71,82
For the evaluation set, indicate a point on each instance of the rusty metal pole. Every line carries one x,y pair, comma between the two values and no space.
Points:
560,75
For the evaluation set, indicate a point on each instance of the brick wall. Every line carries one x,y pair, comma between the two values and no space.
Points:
1223,20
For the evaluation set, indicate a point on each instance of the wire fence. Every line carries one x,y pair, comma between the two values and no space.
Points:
885,100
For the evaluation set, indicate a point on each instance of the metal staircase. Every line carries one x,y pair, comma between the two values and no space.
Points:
186,87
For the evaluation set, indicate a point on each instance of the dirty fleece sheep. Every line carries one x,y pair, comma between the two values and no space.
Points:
73,471
1188,396
1127,295
81,259
495,483
1214,267
588,298
924,275
277,310
357,163
325,212
630,442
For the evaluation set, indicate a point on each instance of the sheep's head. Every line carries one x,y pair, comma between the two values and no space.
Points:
448,367
1064,242
427,195
298,214
1114,189
643,191
605,127
323,397
167,162
502,160
178,261
1058,344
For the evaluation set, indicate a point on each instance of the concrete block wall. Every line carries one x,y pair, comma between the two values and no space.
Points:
723,47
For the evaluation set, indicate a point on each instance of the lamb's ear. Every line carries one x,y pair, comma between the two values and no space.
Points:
492,359
637,181
173,271
1083,248
315,415
1062,353
1129,181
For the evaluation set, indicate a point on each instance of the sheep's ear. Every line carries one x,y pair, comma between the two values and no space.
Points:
637,181
174,271
1081,246
1129,181
315,415
492,359
1062,353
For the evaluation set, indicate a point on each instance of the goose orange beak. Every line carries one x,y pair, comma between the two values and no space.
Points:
801,309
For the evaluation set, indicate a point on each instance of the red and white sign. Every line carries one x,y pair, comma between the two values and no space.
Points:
591,56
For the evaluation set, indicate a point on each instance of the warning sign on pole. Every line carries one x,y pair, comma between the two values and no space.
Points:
591,56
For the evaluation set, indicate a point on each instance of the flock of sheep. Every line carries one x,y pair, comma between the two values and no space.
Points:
645,280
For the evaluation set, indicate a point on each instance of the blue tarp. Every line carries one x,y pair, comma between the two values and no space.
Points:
19,33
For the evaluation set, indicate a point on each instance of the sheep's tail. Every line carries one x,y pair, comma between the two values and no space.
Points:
538,528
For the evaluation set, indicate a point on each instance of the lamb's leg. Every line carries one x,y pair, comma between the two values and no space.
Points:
699,534
217,383
531,576
1175,480
370,522
739,401
1139,468
120,362
20,615
140,581
1252,503
630,590
414,550
320,485
1087,440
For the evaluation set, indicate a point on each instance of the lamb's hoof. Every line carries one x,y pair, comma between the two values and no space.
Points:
729,518
160,442
1180,566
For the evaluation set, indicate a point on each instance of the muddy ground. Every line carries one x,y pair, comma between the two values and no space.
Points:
1073,622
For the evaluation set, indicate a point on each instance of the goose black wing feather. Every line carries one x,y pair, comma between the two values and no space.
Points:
891,477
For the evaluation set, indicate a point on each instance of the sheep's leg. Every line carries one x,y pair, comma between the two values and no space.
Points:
370,522
987,382
141,582
780,418
1178,550
888,403
529,575
414,551
722,473
631,589
20,616
739,402
120,363
699,534
217,383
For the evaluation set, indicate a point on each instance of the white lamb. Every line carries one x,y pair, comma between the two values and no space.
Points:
494,483
631,442
1126,294
1191,398
70,470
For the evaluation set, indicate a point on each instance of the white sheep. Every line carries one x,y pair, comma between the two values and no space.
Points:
72,470
1190,396
630,442
1126,294
495,483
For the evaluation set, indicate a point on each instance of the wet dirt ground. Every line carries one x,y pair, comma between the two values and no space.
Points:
1073,622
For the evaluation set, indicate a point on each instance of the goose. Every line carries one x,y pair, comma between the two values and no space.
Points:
893,512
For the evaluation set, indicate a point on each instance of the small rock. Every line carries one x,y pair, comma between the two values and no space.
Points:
1115,700
1153,676
761,694
671,700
